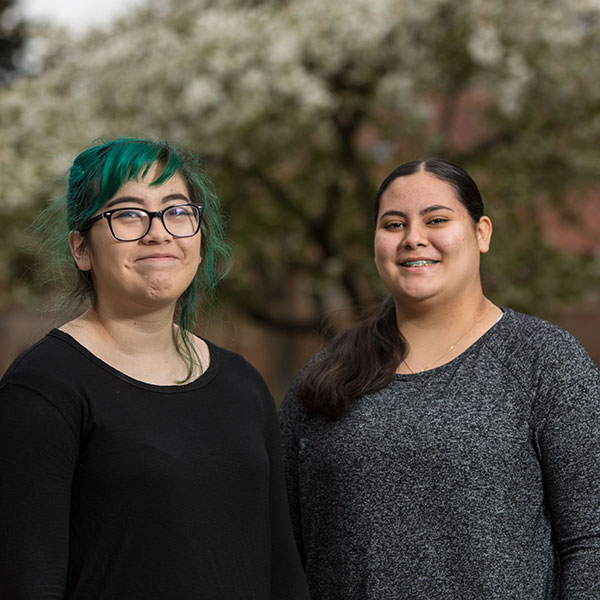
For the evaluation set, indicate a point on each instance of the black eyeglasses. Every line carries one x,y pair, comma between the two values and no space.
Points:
131,224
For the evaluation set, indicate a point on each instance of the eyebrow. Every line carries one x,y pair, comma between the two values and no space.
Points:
136,200
399,213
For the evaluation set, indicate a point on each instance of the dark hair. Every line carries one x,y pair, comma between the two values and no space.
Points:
95,176
464,186
364,358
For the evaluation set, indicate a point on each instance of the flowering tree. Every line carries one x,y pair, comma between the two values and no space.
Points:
300,107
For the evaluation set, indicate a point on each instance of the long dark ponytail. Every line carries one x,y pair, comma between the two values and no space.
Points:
364,358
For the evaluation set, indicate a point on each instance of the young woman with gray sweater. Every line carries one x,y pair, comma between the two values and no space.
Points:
444,448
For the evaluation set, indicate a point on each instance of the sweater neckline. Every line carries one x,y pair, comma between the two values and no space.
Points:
491,332
200,381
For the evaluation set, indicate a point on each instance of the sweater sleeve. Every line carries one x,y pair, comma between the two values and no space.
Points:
287,579
38,455
289,421
569,442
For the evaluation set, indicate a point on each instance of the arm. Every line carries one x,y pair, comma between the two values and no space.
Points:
287,577
38,454
570,454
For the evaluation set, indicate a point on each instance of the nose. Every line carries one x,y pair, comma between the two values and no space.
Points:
415,236
157,232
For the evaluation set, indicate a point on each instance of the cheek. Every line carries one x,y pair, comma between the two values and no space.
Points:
197,254
462,250
192,251
197,242
105,268
105,253
383,248
454,242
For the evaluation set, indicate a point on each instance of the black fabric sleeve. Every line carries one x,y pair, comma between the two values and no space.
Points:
289,421
287,579
38,455
568,408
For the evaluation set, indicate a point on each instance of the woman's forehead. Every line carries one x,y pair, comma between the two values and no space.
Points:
419,189
148,182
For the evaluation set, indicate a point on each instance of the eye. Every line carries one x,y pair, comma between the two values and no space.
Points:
392,225
437,221
179,211
128,214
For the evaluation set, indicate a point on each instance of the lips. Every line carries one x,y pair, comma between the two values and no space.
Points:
419,262
157,256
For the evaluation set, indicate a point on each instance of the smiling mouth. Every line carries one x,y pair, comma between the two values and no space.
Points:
157,257
419,263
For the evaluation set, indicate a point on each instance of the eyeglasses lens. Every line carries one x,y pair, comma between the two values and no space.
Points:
131,224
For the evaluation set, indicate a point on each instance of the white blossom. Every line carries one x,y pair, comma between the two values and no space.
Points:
485,47
515,84
259,79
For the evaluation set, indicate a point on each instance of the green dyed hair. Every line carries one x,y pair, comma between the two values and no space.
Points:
95,177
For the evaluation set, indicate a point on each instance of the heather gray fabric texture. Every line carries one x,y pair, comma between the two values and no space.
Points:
477,480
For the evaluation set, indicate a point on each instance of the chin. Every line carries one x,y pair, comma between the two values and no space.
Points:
161,286
164,296
416,295
157,296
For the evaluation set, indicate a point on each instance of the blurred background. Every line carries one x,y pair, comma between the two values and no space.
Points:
299,109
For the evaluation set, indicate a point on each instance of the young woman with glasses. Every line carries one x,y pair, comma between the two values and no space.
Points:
138,460
444,448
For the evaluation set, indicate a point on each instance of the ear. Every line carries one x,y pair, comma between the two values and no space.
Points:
80,251
483,232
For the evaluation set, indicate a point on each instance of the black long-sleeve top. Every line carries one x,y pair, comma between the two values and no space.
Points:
111,488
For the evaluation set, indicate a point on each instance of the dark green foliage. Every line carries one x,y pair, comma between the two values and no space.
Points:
12,38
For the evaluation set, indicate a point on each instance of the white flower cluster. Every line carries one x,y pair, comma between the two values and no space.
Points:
254,81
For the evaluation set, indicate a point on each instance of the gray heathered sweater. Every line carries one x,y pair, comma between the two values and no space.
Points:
477,480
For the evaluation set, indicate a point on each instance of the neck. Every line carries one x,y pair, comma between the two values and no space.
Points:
439,334
445,315
139,334
142,346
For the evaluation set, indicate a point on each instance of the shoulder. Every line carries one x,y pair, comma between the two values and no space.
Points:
533,339
235,364
529,324
235,372
547,360
50,358
44,378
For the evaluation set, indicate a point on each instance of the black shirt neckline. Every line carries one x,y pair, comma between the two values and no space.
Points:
199,382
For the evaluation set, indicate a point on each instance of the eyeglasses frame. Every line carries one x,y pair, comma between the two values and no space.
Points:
151,214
